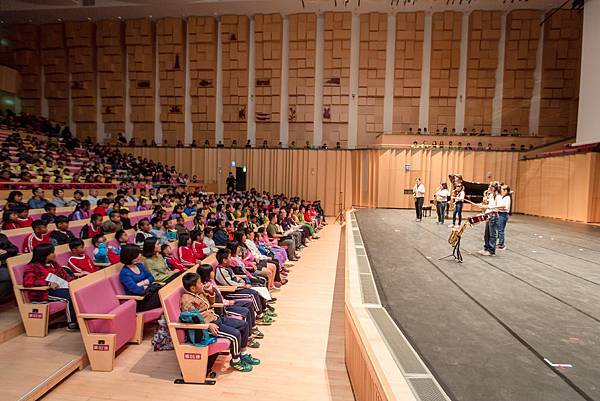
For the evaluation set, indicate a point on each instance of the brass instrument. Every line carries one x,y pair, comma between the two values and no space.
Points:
485,200
457,233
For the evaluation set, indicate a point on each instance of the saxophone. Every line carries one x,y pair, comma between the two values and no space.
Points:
456,233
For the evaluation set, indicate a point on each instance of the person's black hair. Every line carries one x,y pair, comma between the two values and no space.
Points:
204,271
6,215
140,223
113,213
128,253
194,234
223,254
48,206
76,243
95,216
96,239
207,230
61,219
148,247
38,223
232,246
218,222
163,247
12,195
183,239
41,252
189,280
237,236
260,230
248,231
119,234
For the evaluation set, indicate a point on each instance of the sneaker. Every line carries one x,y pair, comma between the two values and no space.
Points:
483,252
247,358
252,343
452,225
264,320
501,248
270,313
72,327
240,365
256,333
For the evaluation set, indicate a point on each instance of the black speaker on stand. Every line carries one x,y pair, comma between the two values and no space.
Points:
240,178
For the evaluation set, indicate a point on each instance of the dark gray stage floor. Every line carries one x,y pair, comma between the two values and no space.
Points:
484,327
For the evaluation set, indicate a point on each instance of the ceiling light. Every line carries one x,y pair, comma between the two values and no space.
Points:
119,17
59,19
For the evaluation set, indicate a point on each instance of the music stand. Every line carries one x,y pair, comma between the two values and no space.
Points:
455,252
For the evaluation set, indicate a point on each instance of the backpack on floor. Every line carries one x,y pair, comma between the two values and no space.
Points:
162,339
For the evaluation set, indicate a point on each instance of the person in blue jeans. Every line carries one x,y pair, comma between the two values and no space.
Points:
504,201
491,226
458,205
441,197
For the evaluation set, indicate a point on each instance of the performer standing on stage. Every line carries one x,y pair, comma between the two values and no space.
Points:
441,198
459,199
419,194
491,226
503,210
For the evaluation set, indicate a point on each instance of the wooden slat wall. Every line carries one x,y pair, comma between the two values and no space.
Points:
139,40
336,77
560,73
522,36
301,73
171,72
202,33
111,74
81,44
484,36
563,187
267,38
54,59
371,79
407,76
445,62
27,59
234,43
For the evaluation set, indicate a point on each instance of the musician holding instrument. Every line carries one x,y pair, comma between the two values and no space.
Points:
441,199
491,225
419,195
503,209
458,196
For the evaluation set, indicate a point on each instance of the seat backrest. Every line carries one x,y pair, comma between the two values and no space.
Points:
97,297
171,310
17,239
115,282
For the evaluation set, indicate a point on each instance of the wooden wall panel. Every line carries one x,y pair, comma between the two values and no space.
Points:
27,58
522,36
301,74
408,65
202,36
371,78
570,182
234,43
171,73
267,38
560,73
445,62
139,40
54,59
484,36
81,44
336,77
110,59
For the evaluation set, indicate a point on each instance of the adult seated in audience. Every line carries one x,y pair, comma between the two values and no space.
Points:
155,263
37,201
59,199
92,197
275,232
42,271
199,298
137,280
61,235
38,236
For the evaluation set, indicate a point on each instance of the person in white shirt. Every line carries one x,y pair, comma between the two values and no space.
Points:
491,225
441,198
93,197
419,194
503,210
459,200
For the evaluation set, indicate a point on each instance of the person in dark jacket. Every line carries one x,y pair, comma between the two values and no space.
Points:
220,236
7,250
62,235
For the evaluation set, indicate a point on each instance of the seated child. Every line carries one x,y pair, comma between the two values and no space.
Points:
37,237
23,218
94,227
208,241
198,246
62,235
50,215
186,254
125,220
167,253
235,330
80,263
101,251
170,230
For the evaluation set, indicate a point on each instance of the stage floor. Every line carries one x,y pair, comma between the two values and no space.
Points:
485,327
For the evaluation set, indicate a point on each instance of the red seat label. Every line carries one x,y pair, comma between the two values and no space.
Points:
101,347
192,356
36,315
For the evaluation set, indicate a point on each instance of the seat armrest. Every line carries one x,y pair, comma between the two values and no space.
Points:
218,305
108,316
226,288
197,326
42,288
126,297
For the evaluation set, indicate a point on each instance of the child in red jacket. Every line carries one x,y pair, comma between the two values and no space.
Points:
38,236
80,263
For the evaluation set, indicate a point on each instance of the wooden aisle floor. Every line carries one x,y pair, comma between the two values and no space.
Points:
302,354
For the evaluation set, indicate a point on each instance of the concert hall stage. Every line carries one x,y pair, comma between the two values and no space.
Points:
489,328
